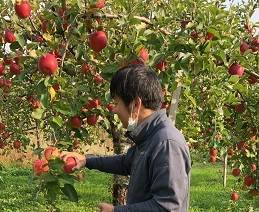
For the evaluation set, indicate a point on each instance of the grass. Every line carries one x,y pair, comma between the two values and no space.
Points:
207,192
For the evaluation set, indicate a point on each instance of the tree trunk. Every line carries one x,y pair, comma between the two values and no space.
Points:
174,104
225,170
38,138
257,169
120,183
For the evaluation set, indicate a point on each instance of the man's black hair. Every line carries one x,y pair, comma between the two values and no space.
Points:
140,81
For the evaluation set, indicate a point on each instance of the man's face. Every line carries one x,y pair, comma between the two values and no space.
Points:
122,111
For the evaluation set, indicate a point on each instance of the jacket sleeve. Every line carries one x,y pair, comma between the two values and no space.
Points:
169,169
118,164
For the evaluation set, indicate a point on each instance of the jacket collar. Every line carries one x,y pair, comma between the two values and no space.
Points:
146,127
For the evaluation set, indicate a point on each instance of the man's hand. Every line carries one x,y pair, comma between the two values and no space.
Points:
80,159
105,207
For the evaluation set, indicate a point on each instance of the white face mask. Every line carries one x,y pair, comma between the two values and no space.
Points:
132,123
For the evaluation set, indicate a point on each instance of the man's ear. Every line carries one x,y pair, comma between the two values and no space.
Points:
137,103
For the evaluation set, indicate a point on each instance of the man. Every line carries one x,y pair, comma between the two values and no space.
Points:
159,162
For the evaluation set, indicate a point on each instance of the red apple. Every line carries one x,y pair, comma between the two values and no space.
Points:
213,152
161,65
249,180
40,166
240,108
236,69
9,36
51,152
165,105
76,122
48,64
70,163
35,103
86,68
210,36
2,144
253,167
194,35
252,79
38,38
213,159
234,196
2,82
137,62
254,192
98,79
244,47
17,59
23,9
230,152
56,87
2,67
255,41
143,54
241,145
92,119
8,83
236,172
8,61
99,4
61,12
2,127
17,144
93,103
98,41
110,107
15,69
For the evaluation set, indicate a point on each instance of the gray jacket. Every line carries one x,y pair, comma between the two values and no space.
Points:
158,164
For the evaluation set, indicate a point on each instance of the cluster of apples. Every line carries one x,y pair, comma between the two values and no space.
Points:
41,166
213,155
4,134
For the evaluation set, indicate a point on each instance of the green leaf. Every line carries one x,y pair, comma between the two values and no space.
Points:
52,190
233,79
78,134
46,81
58,120
21,40
111,68
50,178
67,179
44,99
64,108
38,151
70,192
56,164
37,114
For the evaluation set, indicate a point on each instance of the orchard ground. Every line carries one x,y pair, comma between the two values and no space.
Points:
207,192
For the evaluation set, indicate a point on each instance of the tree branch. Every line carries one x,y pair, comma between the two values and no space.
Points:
113,16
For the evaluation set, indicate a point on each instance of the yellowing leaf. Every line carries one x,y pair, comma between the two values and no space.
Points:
33,53
47,37
52,93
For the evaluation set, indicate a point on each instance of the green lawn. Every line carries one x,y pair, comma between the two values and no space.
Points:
207,193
